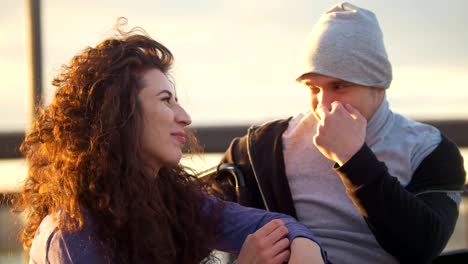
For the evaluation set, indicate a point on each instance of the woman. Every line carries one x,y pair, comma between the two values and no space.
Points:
104,182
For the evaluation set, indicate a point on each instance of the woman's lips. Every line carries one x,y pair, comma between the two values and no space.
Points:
180,137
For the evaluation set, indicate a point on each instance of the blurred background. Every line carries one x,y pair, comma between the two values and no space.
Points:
236,62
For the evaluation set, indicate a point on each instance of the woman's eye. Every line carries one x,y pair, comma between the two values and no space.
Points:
166,99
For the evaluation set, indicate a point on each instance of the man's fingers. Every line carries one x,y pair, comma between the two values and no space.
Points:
277,234
354,112
280,246
338,107
335,104
322,111
282,257
269,228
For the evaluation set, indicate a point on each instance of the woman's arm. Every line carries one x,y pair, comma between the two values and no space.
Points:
270,245
238,222
305,251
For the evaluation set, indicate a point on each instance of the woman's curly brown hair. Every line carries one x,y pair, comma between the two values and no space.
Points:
84,156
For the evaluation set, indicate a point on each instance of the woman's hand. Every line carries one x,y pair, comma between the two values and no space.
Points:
268,245
304,250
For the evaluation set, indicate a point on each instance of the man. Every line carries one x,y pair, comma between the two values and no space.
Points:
372,185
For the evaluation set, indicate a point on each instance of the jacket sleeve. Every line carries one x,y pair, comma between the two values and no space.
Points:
238,222
412,223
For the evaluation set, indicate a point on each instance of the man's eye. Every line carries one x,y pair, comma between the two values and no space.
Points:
314,89
341,86
166,99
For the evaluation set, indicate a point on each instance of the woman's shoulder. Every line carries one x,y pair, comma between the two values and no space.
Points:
54,245
42,237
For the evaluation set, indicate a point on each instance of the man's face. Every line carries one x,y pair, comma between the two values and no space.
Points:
325,90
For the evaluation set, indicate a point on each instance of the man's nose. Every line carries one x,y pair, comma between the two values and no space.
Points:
325,99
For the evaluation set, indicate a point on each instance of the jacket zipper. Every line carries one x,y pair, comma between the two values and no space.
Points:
250,154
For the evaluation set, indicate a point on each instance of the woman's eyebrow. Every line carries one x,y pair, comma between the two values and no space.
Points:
169,93
165,91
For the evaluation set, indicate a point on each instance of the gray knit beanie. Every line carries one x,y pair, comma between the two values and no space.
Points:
347,43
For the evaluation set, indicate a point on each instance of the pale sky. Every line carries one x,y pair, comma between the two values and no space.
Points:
236,61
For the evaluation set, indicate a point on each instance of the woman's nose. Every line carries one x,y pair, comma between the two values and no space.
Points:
183,117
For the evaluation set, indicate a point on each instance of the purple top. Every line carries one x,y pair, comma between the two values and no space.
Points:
51,245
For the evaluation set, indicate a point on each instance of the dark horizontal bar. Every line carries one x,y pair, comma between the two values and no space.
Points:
217,138
9,144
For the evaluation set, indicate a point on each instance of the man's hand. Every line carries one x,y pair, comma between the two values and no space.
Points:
304,250
268,245
341,132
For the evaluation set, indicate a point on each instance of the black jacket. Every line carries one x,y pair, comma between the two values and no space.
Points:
412,223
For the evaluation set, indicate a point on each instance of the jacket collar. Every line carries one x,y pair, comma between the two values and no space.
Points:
267,161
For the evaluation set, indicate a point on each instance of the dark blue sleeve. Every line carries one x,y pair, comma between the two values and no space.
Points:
76,248
239,221
53,245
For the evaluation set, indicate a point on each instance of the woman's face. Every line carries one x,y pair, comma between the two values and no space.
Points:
164,121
